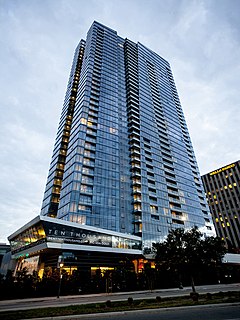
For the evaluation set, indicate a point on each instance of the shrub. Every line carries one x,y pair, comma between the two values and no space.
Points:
130,301
108,303
209,296
221,294
194,296
159,299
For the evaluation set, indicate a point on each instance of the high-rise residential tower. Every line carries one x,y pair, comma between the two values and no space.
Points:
123,159
223,195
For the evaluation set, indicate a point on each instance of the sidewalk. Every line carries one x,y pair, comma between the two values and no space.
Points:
212,288
102,294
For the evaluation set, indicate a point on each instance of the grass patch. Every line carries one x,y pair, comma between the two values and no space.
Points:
128,304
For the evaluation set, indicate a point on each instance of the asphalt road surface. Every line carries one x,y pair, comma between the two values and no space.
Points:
24,304
212,312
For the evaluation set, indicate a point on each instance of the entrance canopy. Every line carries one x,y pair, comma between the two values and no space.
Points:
50,233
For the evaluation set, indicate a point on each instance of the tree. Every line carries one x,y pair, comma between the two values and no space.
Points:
7,286
187,251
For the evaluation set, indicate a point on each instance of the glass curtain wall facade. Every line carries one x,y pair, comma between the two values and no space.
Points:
129,165
61,147
223,195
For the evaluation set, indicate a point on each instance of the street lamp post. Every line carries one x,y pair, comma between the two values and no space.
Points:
60,265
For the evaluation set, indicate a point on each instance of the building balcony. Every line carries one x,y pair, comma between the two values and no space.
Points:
134,139
137,201
135,166
134,125
135,151
137,211
135,159
136,174
171,182
133,130
136,182
92,125
133,109
136,191
174,200
135,145
138,232
176,210
90,147
172,192
137,220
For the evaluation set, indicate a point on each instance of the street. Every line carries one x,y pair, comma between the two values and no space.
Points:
216,312
24,304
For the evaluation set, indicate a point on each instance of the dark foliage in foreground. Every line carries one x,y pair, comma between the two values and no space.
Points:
188,252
